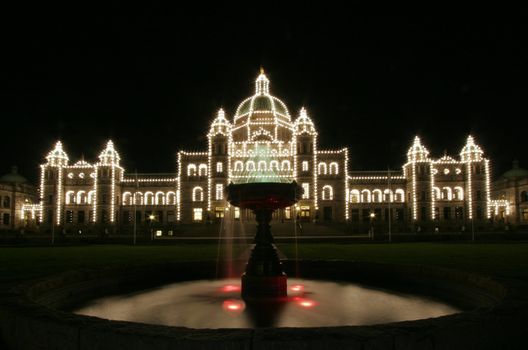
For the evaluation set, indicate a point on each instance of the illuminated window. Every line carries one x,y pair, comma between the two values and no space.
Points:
262,165
321,169
191,170
306,188
274,165
239,166
219,167
305,165
285,165
354,196
334,168
219,194
197,214
250,165
202,170
171,198
287,213
376,196
327,193
237,213
365,196
197,194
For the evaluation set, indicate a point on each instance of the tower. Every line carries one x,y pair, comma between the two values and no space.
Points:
108,175
52,186
219,139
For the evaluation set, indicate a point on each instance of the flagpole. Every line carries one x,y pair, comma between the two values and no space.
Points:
135,208
391,197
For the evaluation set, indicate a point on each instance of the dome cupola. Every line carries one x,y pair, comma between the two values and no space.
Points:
471,152
304,124
220,125
57,156
109,155
417,152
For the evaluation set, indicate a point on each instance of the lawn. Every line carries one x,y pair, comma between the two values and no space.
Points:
506,260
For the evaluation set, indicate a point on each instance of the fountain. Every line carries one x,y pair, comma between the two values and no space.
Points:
264,276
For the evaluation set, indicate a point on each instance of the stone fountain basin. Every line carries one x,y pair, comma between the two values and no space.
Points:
31,315
264,195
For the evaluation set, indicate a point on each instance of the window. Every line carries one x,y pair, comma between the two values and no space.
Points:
274,165
354,215
7,202
306,189
197,194
334,168
327,193
525,214
287,213
285,165
104,216
69,216
479,212
126,217
80,217
138,216
354,196
376,196
447,213
191,170
219,194
202,170
6,219
262,165
322,169
219,167
239,166
459,213
524,196
170,216
305,165
423,213
197,214
237,213
219,212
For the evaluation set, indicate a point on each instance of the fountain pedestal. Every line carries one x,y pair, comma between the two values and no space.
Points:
264,277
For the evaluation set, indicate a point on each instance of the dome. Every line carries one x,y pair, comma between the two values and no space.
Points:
57,156
471,151
262,101
516,172
109,155
13,177
220,125
304,123
417,152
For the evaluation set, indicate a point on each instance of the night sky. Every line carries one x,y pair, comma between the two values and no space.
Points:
154,83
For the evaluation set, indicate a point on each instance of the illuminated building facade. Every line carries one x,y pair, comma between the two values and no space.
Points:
263,142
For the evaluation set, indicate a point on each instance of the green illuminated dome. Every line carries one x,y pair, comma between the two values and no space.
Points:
262,102
516,172
13,177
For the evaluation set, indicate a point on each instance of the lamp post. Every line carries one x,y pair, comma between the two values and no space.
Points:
372,217
151,218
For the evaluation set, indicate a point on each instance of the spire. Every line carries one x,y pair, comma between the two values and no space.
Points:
417,152
57,156
220,124
471,151
262,84
109,155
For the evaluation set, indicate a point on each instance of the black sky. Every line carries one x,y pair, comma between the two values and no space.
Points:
153,83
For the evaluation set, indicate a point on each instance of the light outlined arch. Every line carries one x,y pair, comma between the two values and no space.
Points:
285,165
334,168
388,196
159,198
355,196
376,196
81,197
191,170
70,197
127,198
321,168
365,196
149,198
170,198
239,166
197,194
399,195
202,169
138,198
327,193
458,193
250,165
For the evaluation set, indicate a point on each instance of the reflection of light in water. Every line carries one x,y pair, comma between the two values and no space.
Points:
233,306
297,288
229,288
304,302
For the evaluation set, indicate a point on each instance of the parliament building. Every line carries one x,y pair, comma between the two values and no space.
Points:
264,142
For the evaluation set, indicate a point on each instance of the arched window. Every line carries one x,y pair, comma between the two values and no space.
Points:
321,168
274,165
239,166
197,194
365,196
171,198
191,170
437,193
262,165
327,193
138,198
149,198
305,165
91,195
250,165
376,196
388,196
334,168
354,196
202,170
81,197
458,193
70,198
447,194
160,198
399,195
285,165
127,198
